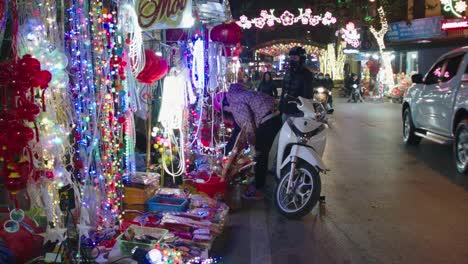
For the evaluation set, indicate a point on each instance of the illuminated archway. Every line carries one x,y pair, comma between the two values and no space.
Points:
279,47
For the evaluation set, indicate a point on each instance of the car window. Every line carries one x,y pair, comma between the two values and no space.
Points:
452,67
435,74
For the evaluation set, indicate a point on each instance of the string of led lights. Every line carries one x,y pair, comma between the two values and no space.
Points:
269,18
457,10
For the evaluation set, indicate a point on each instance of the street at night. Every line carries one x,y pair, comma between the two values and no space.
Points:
234,132
385,202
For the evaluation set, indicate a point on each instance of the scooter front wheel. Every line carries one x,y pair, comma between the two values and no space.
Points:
304,194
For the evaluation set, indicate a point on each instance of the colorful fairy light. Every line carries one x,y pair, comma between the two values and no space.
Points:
305,17
456,7
53,125
283,48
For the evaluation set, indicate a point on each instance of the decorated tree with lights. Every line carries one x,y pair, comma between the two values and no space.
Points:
386,73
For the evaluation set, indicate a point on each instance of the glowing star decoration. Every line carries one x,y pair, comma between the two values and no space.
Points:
351,35
457,8
305,17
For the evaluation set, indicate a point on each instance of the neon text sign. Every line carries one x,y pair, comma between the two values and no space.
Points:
455,24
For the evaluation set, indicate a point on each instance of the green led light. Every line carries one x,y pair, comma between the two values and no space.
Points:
456,7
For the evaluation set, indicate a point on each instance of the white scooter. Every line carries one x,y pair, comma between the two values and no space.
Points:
299,162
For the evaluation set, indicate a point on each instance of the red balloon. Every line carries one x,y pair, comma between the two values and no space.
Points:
227,33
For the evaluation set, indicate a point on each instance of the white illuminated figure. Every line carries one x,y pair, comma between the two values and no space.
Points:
171,116
351,35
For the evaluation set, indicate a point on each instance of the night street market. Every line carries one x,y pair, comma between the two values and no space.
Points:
233,131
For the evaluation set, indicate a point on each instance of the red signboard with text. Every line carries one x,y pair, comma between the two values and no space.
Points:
455,24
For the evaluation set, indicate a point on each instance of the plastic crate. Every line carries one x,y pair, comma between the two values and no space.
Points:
126,247
156,204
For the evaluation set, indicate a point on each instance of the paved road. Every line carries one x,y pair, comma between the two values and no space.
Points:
385,203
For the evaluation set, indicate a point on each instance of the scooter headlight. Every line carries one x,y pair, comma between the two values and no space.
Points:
320,90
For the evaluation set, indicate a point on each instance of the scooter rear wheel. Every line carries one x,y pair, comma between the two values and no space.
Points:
305,194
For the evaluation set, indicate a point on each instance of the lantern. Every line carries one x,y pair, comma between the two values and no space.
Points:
227,33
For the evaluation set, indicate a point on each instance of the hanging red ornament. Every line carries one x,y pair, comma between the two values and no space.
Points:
227,33
41,79
156,67
27,110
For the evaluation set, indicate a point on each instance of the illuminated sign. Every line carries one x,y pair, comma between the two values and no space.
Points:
305,17
351,35
456,7
164,14
455,24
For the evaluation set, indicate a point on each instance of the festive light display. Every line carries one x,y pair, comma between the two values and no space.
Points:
351,35
456,7
386,74
380,34
171,116
305,17
332,60
54,126
102,108
279,49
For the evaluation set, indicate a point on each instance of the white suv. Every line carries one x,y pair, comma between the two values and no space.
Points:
436,106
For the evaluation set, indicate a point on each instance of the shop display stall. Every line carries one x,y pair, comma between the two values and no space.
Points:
88,88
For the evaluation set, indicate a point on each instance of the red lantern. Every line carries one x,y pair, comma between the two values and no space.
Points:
227,33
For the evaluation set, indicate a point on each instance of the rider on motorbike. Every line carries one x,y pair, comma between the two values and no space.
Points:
298,81
354,81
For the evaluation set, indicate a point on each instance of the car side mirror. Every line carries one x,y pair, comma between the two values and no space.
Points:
417,78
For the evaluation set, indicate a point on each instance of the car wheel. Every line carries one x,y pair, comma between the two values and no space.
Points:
460,147
409,137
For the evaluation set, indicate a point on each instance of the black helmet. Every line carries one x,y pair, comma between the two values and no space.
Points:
298,51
